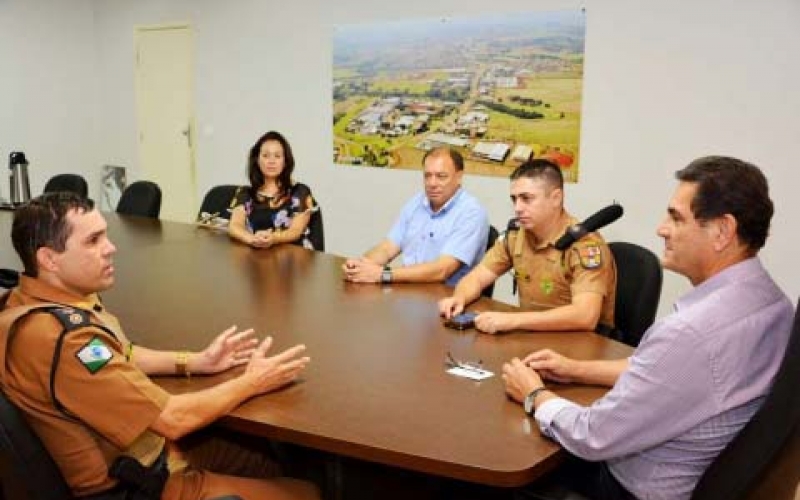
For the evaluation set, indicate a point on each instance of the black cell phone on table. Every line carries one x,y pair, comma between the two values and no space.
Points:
461,321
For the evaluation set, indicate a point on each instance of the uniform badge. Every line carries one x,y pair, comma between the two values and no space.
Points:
71,317
521,276
546,286
94,355
591,256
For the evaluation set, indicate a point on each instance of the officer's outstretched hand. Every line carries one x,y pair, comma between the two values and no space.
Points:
450,306
495,322
269,373
230,348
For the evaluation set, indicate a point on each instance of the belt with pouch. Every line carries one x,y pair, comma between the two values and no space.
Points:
136,481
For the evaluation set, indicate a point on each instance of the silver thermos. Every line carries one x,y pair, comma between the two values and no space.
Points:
20,185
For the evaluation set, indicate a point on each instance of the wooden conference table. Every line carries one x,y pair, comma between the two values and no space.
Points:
376,388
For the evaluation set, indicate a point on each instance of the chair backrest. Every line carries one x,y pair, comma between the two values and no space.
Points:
9,278
316,230
27,472
73,183
26,468
763,460
493,234
219,200
141,198
639,278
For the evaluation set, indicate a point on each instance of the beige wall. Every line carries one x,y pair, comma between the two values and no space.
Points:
47,87
665,82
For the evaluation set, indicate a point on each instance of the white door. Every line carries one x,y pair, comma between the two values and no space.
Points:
165,116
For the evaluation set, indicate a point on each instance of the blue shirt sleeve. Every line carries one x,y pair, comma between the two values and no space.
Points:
397,234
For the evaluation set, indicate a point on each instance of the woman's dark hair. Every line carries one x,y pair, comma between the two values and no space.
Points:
254,171
42,222
727,185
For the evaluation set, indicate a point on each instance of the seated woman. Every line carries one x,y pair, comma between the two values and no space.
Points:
273,210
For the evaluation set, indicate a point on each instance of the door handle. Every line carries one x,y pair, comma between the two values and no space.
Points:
187,132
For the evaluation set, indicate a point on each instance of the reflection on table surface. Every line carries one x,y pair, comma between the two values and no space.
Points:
376,388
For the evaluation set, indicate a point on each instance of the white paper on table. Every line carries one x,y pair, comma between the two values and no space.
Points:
470,372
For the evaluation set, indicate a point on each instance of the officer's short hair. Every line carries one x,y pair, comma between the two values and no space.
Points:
42,222
540,168
454,155
728,185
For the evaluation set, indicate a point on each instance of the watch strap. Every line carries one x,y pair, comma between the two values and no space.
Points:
386,274
531,400
182,364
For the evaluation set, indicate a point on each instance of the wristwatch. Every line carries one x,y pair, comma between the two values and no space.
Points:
530,399
386,274
182,364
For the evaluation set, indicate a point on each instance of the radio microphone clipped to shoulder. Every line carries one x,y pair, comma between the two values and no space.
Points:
602,218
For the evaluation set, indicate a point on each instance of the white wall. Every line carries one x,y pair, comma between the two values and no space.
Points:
47,88
665,82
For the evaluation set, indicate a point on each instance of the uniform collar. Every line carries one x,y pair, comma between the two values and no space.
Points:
566,222
34,288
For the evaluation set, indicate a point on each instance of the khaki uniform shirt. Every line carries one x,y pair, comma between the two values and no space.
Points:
549,278
111,403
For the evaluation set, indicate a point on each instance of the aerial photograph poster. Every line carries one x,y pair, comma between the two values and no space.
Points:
499,88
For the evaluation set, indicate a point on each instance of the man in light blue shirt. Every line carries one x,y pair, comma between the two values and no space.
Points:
699,374
442,233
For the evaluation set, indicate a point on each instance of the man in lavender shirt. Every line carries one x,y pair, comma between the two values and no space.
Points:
699,374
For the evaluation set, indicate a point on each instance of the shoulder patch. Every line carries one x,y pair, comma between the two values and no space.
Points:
94,355
70,317
590,255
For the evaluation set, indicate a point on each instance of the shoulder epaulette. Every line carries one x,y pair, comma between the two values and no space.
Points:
70,317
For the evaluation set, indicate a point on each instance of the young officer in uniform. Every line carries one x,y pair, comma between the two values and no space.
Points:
441,233
572,289
83,387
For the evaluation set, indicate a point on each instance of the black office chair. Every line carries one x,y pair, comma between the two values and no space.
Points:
639,278
9,278
316,230
26,469
763,460
27,472
493,234
142,198
219,200
72,183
